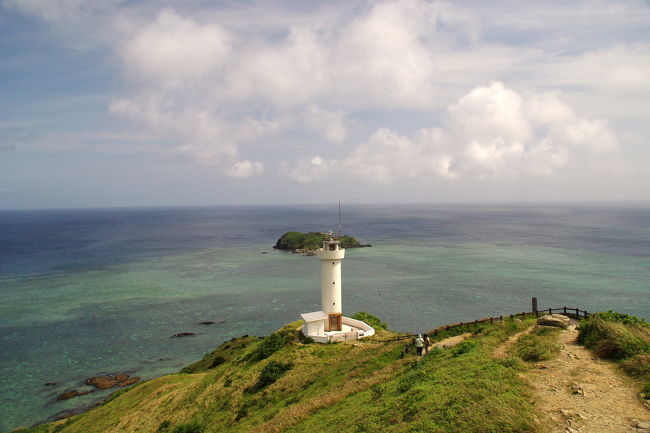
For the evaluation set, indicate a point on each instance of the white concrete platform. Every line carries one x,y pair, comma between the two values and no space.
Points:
352,329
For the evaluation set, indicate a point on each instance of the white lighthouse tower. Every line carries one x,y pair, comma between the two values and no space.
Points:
329,324
330,257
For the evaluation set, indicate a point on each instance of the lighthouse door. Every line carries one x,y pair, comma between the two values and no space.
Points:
335,322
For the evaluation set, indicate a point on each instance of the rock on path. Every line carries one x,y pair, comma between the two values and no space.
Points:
580,393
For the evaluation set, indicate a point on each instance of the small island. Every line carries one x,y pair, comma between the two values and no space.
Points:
297,242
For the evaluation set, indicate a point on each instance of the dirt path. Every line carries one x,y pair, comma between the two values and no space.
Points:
502,350
580,393
452,341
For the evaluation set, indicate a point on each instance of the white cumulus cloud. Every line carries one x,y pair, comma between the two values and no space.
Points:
491,132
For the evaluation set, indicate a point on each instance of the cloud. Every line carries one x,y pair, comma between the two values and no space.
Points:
60,10
383,91
174,50
242,169
491,132
330,123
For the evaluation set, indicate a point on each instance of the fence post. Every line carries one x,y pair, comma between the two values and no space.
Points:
577,313
535,307
565,309
586,314
549,311
501,318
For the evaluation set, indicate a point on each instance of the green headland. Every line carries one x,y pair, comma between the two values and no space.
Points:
286,383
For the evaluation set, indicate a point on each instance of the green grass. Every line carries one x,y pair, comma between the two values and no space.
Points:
539,345
457,390
371,320
365,386
614,339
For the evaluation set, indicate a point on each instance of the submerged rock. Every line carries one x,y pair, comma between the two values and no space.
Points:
72,393
211,322
110,381
183,334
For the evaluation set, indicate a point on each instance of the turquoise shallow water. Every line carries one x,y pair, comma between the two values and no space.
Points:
106,292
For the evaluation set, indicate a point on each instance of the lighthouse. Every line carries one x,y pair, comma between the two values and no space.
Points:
331,256
329,324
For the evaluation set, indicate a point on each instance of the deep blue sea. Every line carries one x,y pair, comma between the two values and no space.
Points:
86,292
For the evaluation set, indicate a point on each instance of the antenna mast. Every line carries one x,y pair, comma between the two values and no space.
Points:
339,219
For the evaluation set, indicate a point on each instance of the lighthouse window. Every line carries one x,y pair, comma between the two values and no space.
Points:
333,282
333,263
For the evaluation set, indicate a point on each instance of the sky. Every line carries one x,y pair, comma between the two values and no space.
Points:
162,103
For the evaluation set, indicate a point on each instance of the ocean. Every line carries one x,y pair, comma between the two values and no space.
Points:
97,291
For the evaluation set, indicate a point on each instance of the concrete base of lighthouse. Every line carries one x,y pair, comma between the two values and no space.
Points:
316,323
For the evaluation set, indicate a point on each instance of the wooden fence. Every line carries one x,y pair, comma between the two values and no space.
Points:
572,312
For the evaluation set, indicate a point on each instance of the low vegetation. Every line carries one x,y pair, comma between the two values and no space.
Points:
622,338
284,383
539,345
371,320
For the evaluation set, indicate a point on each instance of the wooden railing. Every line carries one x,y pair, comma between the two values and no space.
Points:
574,312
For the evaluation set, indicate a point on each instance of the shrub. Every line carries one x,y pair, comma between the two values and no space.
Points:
638,365
613,339
270,345
217,362
464,347
189,427
626,319
371,320
645,392
269,374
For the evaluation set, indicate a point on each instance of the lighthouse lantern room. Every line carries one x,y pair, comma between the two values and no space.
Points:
329,324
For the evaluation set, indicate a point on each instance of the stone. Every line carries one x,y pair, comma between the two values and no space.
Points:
183,334
555,320
50,383
641,426
72,393
129,381
110,381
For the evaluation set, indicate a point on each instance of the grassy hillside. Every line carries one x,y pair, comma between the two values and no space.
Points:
283,383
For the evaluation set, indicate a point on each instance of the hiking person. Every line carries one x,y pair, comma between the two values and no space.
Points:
427,343
419,344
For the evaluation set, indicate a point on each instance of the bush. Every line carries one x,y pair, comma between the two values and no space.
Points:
464,347
189,427
626,319
613,339
217,361
371,320
269,374
638,365
270,345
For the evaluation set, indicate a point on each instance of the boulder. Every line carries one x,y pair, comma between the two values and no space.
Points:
212,322
129,381
183,334
107,382
72,393
556,320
